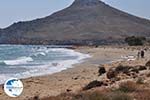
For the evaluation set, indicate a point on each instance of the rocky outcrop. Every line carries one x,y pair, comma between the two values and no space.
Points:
111,73
101,70
124,72
148,64
94,84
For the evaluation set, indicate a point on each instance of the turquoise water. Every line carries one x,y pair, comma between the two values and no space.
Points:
22,61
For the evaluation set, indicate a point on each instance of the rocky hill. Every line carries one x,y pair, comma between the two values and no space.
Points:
84,22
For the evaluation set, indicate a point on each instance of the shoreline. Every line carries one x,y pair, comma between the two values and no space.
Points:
46,69
72,79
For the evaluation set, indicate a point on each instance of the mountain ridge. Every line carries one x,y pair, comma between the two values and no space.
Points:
83,21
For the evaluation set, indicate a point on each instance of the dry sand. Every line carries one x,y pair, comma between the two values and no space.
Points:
73,79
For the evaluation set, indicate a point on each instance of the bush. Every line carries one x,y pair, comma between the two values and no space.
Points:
101,70
94,95
64,96
91,96
135,41
112,73
143,95
93,84
140,81
97,95
123,69
119,96
148,41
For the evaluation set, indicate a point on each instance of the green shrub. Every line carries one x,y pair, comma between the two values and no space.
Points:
135,41
148,42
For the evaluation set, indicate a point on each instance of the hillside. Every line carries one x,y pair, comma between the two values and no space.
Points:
84,22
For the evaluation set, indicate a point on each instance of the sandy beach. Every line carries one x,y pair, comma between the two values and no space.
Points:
74,79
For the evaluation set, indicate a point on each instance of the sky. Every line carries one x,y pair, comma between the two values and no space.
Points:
24,10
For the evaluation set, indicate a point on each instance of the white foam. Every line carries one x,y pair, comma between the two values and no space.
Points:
50,68
18,61
128,58
40,53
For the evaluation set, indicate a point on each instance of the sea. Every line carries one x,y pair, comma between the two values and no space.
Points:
24,61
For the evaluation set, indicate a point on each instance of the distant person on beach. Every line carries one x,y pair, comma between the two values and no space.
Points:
138,55
142,54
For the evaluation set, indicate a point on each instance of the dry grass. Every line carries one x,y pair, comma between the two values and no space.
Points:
119,96
126,91
91,96
143,95
128,87
64,96
95,95
140,80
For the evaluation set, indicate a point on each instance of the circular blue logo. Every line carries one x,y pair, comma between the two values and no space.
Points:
13,87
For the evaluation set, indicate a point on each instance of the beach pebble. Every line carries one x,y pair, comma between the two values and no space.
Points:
68,90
